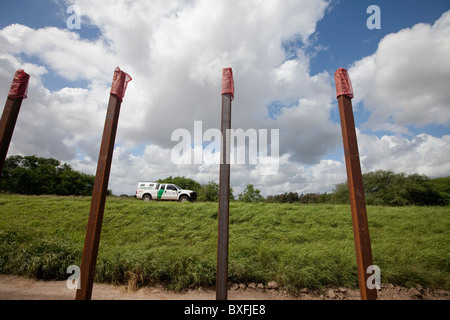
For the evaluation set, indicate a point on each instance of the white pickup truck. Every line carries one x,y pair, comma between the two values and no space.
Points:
163,191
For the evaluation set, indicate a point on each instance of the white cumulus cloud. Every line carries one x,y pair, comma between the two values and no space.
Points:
405,82
175,51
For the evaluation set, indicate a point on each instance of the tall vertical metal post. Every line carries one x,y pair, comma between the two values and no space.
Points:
17,93
361,235
224,187
92,240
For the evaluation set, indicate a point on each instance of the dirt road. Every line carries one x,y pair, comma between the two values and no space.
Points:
18,288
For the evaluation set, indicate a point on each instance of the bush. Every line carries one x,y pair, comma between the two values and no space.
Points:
209,192
397,189
250,194
381,188
36,176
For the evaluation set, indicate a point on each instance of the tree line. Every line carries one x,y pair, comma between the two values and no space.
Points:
381,187
36,176
384,188
398,189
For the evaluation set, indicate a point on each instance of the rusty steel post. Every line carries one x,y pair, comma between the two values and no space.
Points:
224,187
361,235
17,93
92,239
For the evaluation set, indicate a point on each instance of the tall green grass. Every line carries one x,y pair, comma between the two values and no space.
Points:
175,243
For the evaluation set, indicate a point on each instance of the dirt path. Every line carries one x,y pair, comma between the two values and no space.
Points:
18,288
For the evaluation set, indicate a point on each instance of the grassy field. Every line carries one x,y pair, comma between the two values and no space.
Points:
175,243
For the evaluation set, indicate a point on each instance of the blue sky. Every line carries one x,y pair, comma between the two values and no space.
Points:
40,14
344,34
342,37
163,51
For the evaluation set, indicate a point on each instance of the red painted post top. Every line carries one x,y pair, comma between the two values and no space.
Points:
227,82
343,84
120,82
19,85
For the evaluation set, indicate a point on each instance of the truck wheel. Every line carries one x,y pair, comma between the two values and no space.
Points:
146,197
183,199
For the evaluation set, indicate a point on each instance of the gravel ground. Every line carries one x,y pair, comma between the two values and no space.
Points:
18,288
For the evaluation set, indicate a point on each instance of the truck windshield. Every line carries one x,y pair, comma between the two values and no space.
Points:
177,187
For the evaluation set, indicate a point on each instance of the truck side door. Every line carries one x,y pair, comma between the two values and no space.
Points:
161,191
171,193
